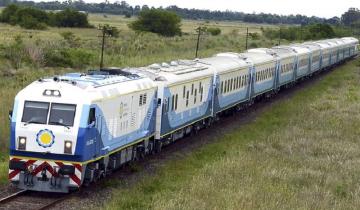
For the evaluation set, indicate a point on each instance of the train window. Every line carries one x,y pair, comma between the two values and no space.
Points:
140,99
200,85
225,86
168,104
201,94
62,114
35,112
91,118
176,101
231,84
222,87
192,89
195,96
173,103
228,87
144,98
187,98
184,90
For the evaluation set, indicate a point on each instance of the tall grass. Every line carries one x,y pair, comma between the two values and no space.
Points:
301,153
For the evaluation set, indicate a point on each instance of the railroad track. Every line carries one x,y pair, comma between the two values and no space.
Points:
29,200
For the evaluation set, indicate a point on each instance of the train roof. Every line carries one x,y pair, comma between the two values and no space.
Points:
338,42
323,45
251,57
175,71
275,52
310,46
226,63
350,40
91,86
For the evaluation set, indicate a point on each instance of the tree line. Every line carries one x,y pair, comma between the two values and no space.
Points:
34,18
123,8
309,32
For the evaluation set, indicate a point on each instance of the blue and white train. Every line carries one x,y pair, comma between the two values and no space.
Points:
71,130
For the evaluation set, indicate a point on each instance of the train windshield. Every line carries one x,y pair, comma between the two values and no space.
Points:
35,112
62,114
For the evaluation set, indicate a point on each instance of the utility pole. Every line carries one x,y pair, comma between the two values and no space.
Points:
279,36
198,41
106,31
247,37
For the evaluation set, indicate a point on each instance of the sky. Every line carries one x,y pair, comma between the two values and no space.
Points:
319,8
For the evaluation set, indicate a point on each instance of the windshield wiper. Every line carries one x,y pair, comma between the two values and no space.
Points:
30,122
62,124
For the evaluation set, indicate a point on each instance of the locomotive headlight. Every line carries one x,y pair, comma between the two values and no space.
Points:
22,143
48,92
56,93
52,93
68,147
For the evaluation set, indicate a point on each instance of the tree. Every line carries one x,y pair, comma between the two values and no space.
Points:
351,16
71,18
157,21
8,12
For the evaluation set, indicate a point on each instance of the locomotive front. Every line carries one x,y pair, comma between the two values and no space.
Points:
46,123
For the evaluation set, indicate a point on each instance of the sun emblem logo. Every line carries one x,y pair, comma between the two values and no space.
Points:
45,138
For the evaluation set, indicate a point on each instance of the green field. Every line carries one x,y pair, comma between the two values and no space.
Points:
301,152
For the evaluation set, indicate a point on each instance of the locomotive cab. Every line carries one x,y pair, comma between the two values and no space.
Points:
48,124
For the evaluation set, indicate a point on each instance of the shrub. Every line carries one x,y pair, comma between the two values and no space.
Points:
8,12
157,21
214,31
70,18
15,52
254,36
75,58
127,14
253,45
28,22
71,39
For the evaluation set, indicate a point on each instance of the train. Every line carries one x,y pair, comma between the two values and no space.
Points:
74,129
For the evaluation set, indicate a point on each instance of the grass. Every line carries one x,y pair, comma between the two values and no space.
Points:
301,153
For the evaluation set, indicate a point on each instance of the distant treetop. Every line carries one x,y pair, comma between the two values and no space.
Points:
123,8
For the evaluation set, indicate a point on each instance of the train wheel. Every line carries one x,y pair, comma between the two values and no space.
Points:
158,146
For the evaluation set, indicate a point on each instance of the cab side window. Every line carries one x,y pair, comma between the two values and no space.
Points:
91,116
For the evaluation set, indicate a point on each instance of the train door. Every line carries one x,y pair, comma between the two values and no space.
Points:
99,131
